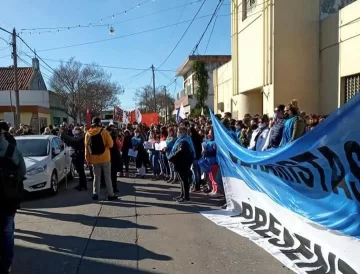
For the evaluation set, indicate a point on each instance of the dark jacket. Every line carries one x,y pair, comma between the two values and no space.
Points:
182,158
18,160
126,145
77,143
115,156
197,141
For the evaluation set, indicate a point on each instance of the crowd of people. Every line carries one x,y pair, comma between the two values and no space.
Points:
183,152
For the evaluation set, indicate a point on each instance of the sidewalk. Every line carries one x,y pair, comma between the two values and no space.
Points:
143,232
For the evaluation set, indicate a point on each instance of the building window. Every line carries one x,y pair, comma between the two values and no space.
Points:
352,86
247,7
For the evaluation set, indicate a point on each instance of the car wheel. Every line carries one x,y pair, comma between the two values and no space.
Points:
54,183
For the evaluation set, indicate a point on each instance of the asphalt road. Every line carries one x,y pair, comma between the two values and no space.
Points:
143,232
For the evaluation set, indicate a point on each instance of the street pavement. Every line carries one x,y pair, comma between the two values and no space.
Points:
145,231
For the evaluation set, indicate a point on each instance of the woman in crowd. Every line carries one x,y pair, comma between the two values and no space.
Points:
170,141
125,153
137,145
209,152
154,155
164,163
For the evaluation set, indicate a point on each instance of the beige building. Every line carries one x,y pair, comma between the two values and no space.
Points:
186,96
307,50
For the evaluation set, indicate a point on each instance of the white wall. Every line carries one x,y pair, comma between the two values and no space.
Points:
26,97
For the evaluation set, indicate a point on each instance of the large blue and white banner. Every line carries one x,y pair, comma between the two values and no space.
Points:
300,202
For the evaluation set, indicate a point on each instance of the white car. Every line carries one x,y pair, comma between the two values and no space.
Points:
47,162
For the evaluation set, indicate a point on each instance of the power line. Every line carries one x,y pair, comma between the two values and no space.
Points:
104,66
61,29
181,14
212,17
7,42
8,55
211,34
136,75
22,40
123,36
183,35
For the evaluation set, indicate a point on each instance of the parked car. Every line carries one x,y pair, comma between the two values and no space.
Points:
47,161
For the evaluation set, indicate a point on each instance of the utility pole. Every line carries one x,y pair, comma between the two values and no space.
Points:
166,105
16,84
153,73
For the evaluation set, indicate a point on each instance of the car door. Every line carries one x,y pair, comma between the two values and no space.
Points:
56,157
63,157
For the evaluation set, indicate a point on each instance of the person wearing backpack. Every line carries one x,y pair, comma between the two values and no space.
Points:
98,142
12,172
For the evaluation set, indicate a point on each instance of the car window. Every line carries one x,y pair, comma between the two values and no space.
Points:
33,147
54,144
60,143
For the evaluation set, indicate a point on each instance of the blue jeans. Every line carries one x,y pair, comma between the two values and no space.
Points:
7,228
155,163
197,174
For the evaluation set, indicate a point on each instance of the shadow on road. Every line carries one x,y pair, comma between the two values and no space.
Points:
33,261
157,191
100,249
85,220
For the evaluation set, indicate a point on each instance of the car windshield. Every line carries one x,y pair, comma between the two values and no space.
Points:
33,147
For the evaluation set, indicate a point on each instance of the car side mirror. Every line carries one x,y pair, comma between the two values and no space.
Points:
56,151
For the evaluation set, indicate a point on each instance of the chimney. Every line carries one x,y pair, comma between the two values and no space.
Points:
35,64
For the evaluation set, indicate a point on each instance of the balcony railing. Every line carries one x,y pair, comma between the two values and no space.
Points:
185,91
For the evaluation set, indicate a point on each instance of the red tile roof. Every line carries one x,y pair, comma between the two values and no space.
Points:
7,78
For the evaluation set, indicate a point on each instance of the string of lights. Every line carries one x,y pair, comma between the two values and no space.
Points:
91,24
126,35
50,30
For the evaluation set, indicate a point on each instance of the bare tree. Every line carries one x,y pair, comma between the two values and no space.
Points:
84,86
144,97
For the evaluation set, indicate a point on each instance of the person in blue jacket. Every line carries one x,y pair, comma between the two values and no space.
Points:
170,141
137,143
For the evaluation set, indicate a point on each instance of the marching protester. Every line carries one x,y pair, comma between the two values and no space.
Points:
170,141
77,144
97,153
12,172
154,155
137,143
126,145
182,156
115,157
164,163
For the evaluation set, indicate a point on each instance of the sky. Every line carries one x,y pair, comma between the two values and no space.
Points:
135,44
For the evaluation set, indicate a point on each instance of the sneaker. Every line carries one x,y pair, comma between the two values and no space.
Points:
95,197
112,198
183,201
177,198
196,190
215,194
224,206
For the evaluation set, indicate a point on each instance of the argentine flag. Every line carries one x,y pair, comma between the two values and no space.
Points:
180,114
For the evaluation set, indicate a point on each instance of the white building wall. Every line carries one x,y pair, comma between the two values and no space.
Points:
26,98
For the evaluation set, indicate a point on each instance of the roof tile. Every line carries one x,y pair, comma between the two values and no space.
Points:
7,78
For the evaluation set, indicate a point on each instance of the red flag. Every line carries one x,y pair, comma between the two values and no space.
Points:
88,117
